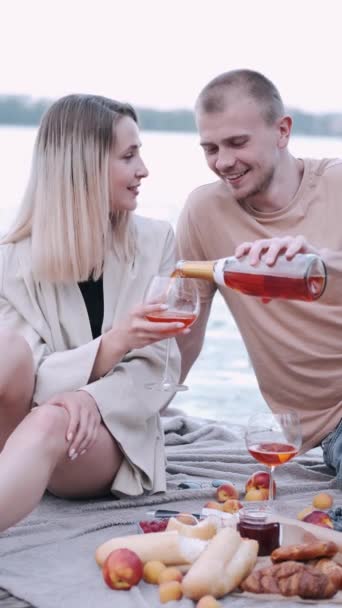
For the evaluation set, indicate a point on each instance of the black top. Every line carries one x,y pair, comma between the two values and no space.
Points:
92,292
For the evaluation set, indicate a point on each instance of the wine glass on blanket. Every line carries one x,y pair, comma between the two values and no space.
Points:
273,440
182,299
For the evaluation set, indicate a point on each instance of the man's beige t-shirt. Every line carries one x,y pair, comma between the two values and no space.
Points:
295,347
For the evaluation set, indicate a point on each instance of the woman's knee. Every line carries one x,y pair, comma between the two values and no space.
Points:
16,367
49,427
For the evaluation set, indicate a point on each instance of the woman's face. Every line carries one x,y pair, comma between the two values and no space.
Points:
126,168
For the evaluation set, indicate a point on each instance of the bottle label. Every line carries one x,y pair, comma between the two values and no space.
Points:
219,272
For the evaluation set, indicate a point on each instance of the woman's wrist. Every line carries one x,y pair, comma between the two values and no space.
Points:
117,341
111,350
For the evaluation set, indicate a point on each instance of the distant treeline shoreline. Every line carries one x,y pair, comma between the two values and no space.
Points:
19,110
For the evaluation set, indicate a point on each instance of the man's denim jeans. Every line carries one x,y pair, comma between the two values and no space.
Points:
332,451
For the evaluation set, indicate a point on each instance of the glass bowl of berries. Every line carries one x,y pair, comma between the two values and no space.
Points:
146,526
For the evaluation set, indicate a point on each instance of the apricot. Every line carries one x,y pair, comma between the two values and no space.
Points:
232,505
227,490
171,590
322,501
152,571
170,574
208,601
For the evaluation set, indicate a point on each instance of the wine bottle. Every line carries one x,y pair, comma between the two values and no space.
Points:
302,278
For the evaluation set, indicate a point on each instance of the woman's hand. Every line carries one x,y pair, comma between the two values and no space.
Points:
289,245
136,331
84,420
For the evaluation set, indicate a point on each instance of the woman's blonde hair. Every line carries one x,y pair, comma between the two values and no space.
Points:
66,206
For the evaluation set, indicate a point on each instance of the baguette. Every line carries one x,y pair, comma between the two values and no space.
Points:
168,547
225,562
204,530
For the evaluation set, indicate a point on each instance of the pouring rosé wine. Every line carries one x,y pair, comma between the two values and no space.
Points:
302,278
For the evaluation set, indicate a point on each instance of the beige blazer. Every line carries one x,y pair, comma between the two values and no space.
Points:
54,320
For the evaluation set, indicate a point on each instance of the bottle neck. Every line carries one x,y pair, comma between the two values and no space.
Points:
195,269
212,270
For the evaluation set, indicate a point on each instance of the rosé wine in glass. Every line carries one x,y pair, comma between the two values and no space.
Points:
273,440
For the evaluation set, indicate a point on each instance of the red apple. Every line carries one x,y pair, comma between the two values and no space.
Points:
260,480
320,518
304,512
227,490
122,569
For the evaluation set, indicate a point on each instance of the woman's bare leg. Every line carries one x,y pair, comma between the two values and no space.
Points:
28,459
33,448
35,457
16,382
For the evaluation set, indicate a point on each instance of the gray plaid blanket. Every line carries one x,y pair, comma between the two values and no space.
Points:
47,561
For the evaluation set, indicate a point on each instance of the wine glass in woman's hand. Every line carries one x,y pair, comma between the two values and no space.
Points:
182,300
273,440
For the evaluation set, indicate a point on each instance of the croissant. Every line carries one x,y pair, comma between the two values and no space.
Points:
266,580
305,551
291,578
329,567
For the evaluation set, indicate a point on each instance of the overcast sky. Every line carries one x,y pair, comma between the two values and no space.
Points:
159,53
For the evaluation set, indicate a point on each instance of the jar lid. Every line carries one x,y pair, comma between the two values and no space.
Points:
253,514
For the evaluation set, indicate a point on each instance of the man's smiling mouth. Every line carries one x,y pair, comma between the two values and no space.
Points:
234,177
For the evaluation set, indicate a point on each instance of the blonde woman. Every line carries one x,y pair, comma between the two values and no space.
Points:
74,415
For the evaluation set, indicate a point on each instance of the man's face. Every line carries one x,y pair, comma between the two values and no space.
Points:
240,147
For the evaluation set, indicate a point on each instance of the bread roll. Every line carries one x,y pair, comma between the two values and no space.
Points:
225,562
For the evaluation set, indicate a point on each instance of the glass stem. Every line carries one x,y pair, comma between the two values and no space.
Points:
270,491
166,368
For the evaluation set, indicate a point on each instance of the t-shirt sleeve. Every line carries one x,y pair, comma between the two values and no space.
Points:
190,238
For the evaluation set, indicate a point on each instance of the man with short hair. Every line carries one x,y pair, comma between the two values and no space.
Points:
268,202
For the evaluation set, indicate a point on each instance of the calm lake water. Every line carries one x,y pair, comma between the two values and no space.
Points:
222,383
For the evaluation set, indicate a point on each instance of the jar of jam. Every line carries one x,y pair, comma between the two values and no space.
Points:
253,524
